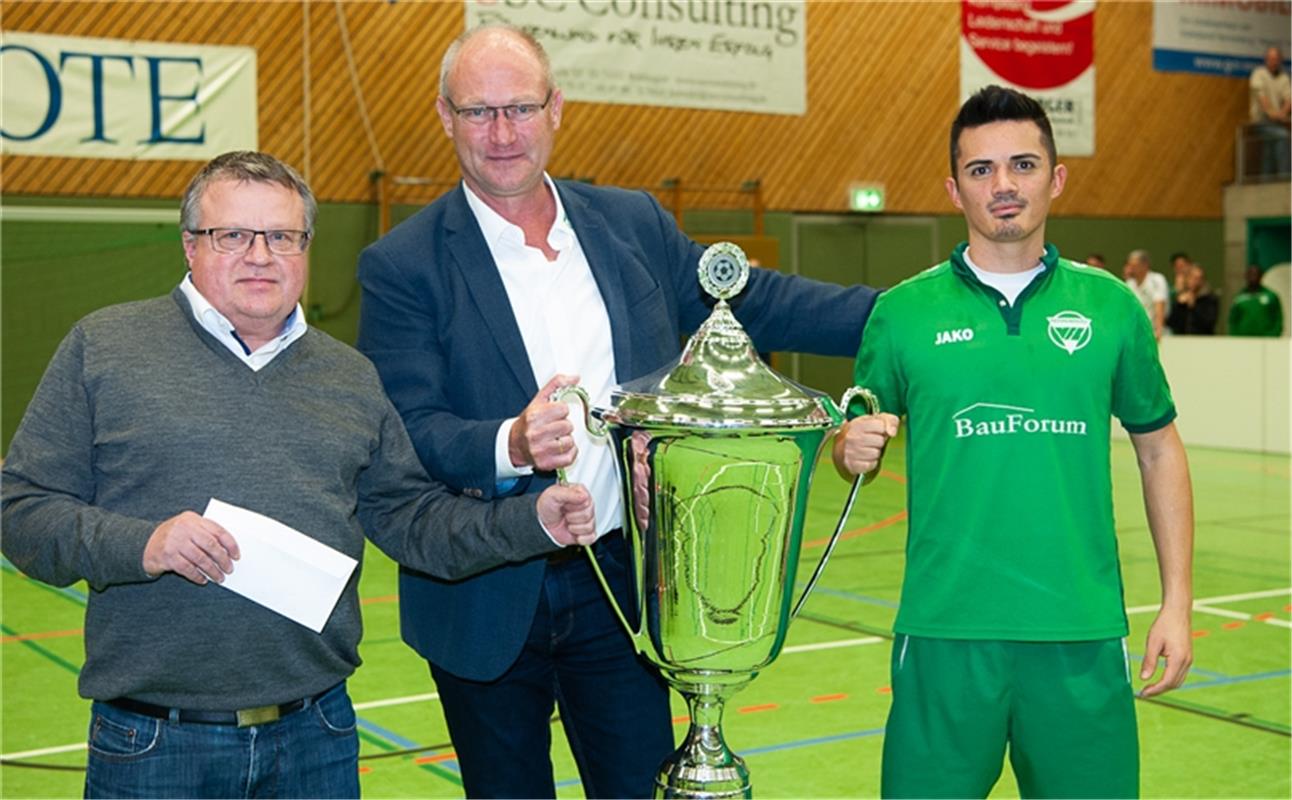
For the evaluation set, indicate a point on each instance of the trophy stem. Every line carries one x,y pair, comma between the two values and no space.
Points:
703,768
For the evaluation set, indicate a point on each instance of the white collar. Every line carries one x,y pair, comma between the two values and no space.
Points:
497,229
219,326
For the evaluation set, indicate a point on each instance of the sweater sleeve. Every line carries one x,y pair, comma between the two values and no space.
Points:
52,530
420,523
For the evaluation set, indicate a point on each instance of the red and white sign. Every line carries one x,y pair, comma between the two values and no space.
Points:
1042,47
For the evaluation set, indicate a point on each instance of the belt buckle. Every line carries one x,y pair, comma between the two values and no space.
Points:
257,716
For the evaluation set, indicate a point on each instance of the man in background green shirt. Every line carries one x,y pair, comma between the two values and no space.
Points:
1256,310
1009,362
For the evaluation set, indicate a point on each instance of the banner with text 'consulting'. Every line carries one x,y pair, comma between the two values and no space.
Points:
734,55
1044,48
80,97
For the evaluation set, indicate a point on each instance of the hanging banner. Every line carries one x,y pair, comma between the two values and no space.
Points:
1045,48
736,55
79,97
1219,38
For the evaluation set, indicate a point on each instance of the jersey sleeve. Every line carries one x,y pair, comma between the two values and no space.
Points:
1141,395
877,367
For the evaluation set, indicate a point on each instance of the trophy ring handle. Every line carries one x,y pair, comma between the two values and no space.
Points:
872,407
596,429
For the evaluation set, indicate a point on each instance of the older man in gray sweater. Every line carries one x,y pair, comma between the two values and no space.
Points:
150,409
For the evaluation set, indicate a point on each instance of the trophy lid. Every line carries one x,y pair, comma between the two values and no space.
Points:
719,381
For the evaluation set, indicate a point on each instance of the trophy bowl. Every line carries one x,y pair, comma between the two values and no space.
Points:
716,454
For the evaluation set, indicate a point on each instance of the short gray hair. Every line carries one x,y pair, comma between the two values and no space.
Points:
450,59
244,165
1140,255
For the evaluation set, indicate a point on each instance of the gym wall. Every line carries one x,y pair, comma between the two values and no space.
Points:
883,83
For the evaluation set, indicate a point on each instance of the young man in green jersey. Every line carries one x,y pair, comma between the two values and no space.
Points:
1008,363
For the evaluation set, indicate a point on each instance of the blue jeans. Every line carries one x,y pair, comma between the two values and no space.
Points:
1274,144
614,706
313,752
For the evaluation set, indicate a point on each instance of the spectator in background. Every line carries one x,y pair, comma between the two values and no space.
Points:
1271,109
1150,287
1256,310
1097,260
1196,306
1180,264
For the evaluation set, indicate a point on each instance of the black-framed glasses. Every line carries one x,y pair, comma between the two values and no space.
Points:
514,112
240,240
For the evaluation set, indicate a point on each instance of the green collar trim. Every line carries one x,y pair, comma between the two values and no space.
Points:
1011,314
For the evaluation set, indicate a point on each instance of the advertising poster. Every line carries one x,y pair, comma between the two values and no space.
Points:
1046,49
735,55
1219,38
80,97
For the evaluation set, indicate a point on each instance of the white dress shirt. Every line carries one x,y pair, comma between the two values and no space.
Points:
216,324
566,330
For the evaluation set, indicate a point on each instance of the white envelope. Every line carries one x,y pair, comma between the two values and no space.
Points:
281,568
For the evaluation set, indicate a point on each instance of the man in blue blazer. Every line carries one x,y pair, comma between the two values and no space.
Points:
474,311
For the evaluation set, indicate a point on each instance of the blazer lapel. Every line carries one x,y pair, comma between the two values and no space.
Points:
472,257
604,257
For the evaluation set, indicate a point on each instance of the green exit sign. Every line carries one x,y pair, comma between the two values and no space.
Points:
866,197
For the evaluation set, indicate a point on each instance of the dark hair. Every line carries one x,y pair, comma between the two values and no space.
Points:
1180,254
996,104
244,165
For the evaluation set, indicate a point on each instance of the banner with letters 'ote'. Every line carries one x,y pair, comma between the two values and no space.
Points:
81,97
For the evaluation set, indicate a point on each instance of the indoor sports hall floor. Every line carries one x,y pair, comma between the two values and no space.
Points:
811,725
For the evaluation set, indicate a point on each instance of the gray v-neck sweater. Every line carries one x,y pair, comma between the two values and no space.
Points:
142,415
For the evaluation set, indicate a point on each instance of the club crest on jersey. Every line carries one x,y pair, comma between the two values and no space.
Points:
955,335
1069,330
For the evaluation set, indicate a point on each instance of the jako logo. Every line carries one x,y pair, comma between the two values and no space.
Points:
947,337
993,419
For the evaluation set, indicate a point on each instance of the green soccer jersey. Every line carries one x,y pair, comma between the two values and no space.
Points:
1257,313
1008,423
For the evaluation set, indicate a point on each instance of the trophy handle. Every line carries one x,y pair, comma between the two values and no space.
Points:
597,429
872,407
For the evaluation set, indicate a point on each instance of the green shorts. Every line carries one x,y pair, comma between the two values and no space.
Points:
1066,711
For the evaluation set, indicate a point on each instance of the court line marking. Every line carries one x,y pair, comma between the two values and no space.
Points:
1222,612
28,637
1199,605
1234,598
46,751
847,595
1205,606
900,516
396,701
374,729
800,648
808,648
771,748
432,696
1230,679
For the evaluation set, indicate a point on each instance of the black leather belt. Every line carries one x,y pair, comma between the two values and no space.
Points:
241,718
567,554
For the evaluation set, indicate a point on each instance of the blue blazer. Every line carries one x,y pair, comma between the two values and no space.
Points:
436,321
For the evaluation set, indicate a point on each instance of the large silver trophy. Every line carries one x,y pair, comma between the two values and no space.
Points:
717,453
